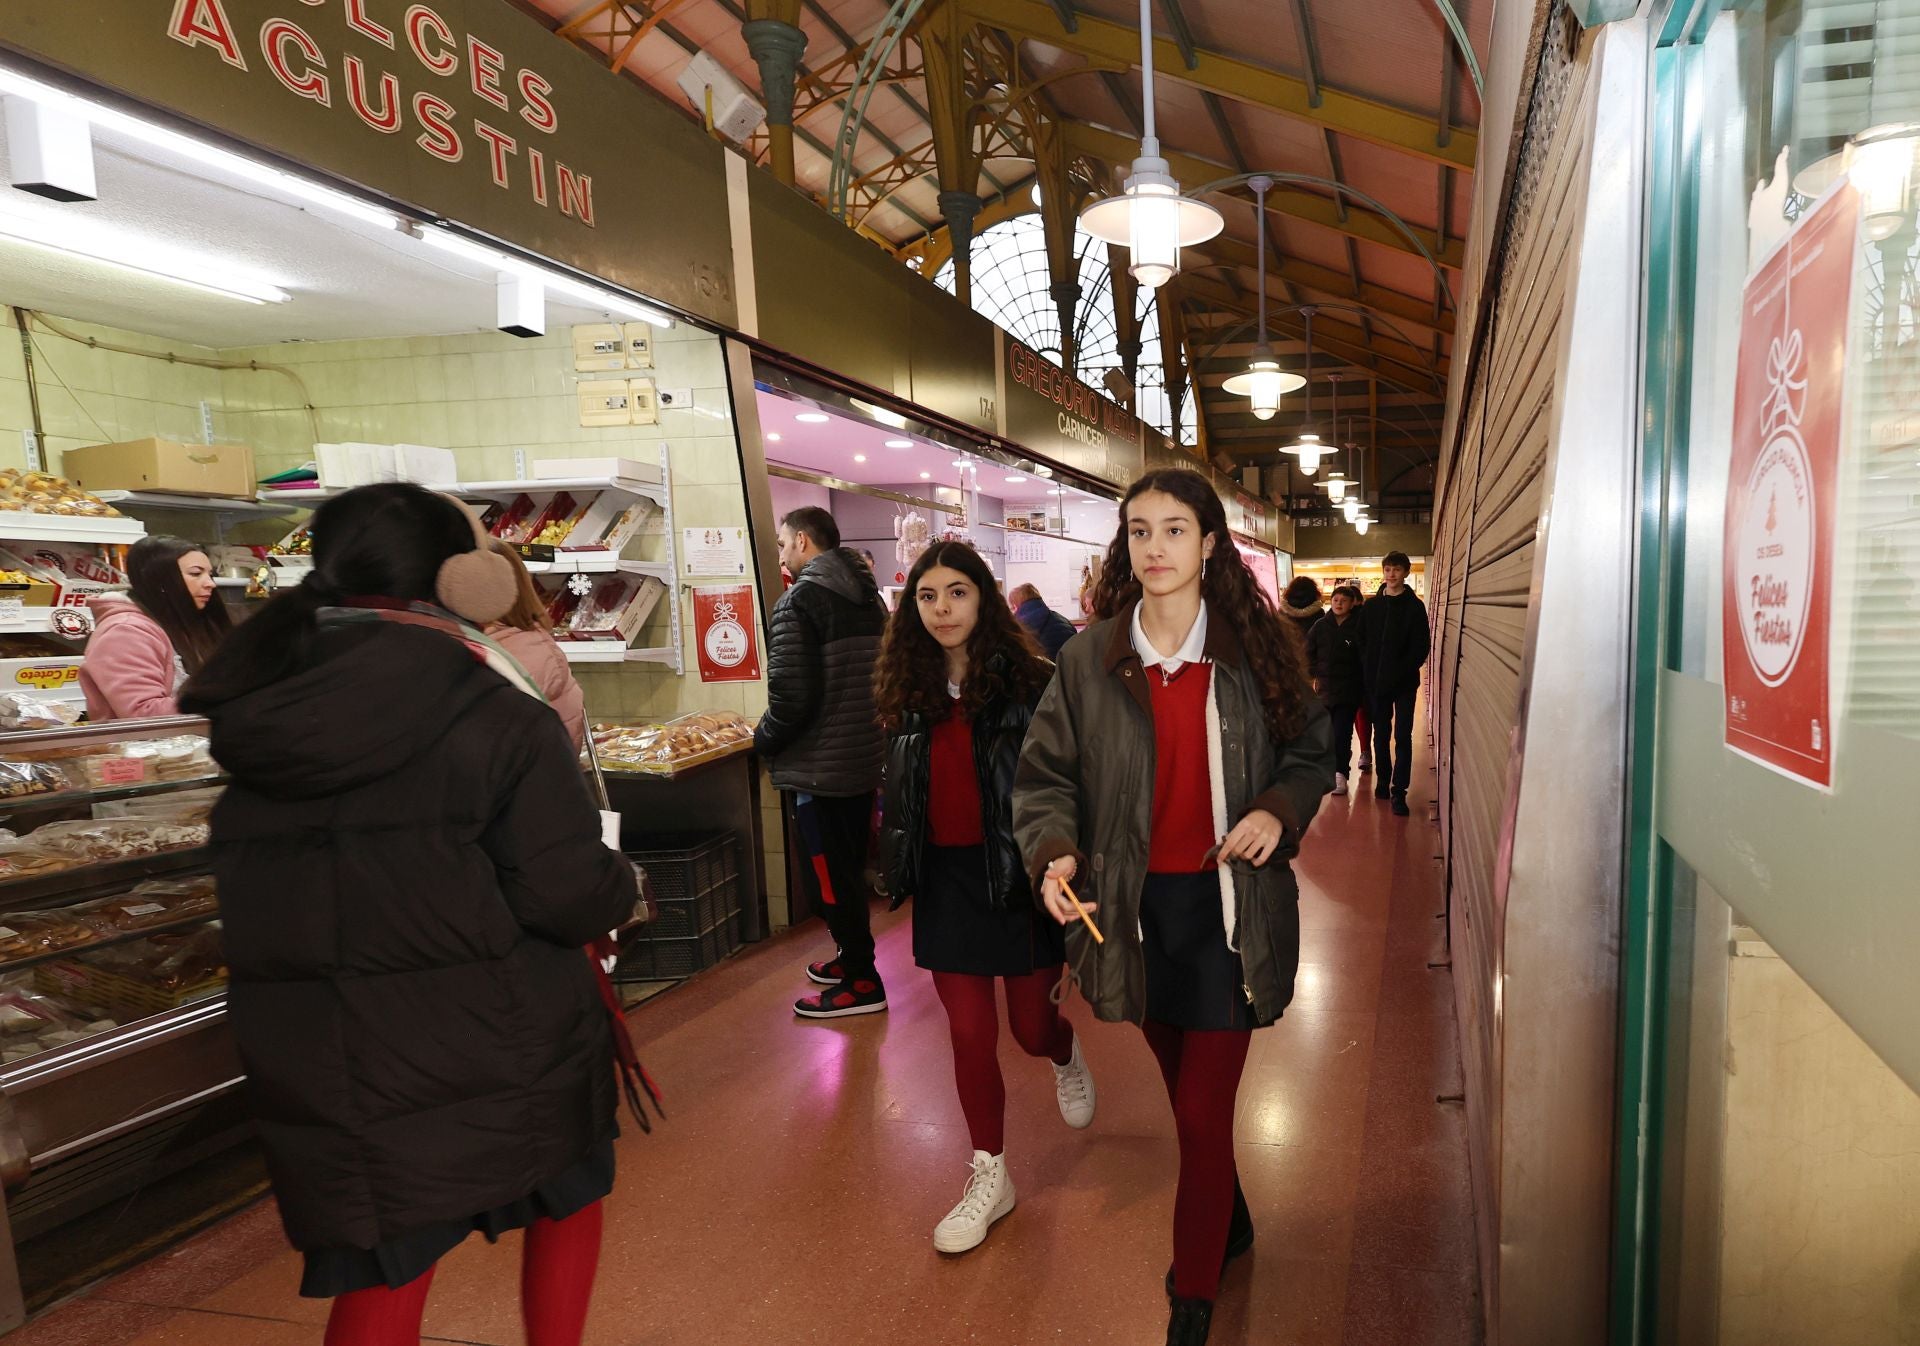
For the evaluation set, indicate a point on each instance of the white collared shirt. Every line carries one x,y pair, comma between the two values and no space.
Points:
1192,650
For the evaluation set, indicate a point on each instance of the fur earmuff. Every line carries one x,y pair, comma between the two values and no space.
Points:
477,585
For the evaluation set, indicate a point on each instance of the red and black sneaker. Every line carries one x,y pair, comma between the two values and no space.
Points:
828,973
862,995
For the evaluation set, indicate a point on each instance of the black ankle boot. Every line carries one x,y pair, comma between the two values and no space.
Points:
1239,1234
1190,1321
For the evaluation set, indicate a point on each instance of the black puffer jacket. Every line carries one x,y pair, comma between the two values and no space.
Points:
409,865
820,734
998,731
1394,642
1333,657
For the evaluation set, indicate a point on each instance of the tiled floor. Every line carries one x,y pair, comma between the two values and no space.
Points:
791,1194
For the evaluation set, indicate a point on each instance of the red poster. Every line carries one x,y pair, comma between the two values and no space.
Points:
1781,494
723,627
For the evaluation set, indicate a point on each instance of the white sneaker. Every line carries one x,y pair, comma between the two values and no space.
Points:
989,1195
1340,783
1073,1087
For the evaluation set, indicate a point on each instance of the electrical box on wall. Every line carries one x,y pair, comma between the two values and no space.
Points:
605,402
597,347
645,401
639,338
716,94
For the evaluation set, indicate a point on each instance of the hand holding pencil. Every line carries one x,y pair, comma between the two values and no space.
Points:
1056,890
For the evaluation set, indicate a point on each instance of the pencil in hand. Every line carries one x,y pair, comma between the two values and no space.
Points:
1085,919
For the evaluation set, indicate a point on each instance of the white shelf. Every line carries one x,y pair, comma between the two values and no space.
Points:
658,654
30,622
600,563
200,504
303,497
18,525
489,490
595,651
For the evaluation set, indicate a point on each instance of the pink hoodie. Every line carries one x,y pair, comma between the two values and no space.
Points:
546,663
130,671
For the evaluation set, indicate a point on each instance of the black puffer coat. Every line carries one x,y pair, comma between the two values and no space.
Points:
820,734
1333,657
998,731
409,865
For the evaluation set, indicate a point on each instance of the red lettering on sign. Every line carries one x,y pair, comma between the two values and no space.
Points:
437,137
537,165
538,112
387,119
276,35
358,21
500,145
421,21
576,195
487,64
204,21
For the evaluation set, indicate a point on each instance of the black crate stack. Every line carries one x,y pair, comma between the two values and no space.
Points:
695,880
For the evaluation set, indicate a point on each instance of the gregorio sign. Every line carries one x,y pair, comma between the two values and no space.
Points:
1053,413
464,109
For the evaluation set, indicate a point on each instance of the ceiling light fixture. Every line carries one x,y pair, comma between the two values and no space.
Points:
208,156
926,476
1264,381
772,437
556,282
1350,507
1151,218
813,418
859,457
1014,479
1362,524
76,237
899,443
1309,448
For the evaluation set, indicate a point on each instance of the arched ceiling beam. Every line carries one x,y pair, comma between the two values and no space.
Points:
1348,114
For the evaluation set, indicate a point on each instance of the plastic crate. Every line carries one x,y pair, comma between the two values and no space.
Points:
695,883
653,958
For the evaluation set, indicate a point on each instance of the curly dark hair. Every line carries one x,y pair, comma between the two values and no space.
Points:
1002,660
1275,653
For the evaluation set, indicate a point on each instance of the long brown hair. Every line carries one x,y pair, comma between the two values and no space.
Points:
529,611
1275,654
156,584
1002,660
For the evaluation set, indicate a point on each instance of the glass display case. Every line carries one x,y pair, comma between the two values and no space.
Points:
112,979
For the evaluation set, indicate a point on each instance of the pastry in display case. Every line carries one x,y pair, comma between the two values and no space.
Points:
673,746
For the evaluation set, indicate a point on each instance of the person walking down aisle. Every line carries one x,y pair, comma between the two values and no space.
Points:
1301,606
1049,629
151,640
1333,658
1393,646
527,635
409,867
822,741
957,684
1188,680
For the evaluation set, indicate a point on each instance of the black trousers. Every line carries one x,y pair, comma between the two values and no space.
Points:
1343,718
833,860
1393,737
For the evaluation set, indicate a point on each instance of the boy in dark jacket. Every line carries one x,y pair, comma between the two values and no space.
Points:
1394,641
821,740
1333,657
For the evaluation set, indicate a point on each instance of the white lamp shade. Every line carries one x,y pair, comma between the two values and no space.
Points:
1362,524
1310,460
1880,164
1265,383
1351,508
1336,490
1153,221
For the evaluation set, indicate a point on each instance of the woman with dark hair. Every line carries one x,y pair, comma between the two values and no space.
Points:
1190,681
148,642
1301,604
409,867
527,634
956,685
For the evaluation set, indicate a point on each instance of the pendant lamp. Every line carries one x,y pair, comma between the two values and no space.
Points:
1308,449
1150,218
1362,524
1264,382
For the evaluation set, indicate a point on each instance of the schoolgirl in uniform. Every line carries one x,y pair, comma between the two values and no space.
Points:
1168,776
956,685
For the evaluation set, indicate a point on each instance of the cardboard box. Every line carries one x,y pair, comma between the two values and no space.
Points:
596,469
427,465
163,465
610,523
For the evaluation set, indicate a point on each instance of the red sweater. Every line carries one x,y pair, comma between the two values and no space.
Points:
953,785
1182,790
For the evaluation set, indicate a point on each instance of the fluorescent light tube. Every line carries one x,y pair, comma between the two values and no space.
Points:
131,252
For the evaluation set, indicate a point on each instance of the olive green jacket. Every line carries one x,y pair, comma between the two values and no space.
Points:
1085,789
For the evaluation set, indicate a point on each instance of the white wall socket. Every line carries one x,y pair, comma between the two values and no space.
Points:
676,399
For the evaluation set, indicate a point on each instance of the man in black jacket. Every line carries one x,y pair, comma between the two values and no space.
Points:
821,740
1333,658
1393,647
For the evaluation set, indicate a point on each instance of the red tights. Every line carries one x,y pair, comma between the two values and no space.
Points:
974,1024
556,1283
1202,1071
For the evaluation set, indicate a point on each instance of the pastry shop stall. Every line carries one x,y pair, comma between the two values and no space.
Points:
211,347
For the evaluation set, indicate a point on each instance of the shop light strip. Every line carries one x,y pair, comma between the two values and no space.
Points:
556,282
77,238
199,151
